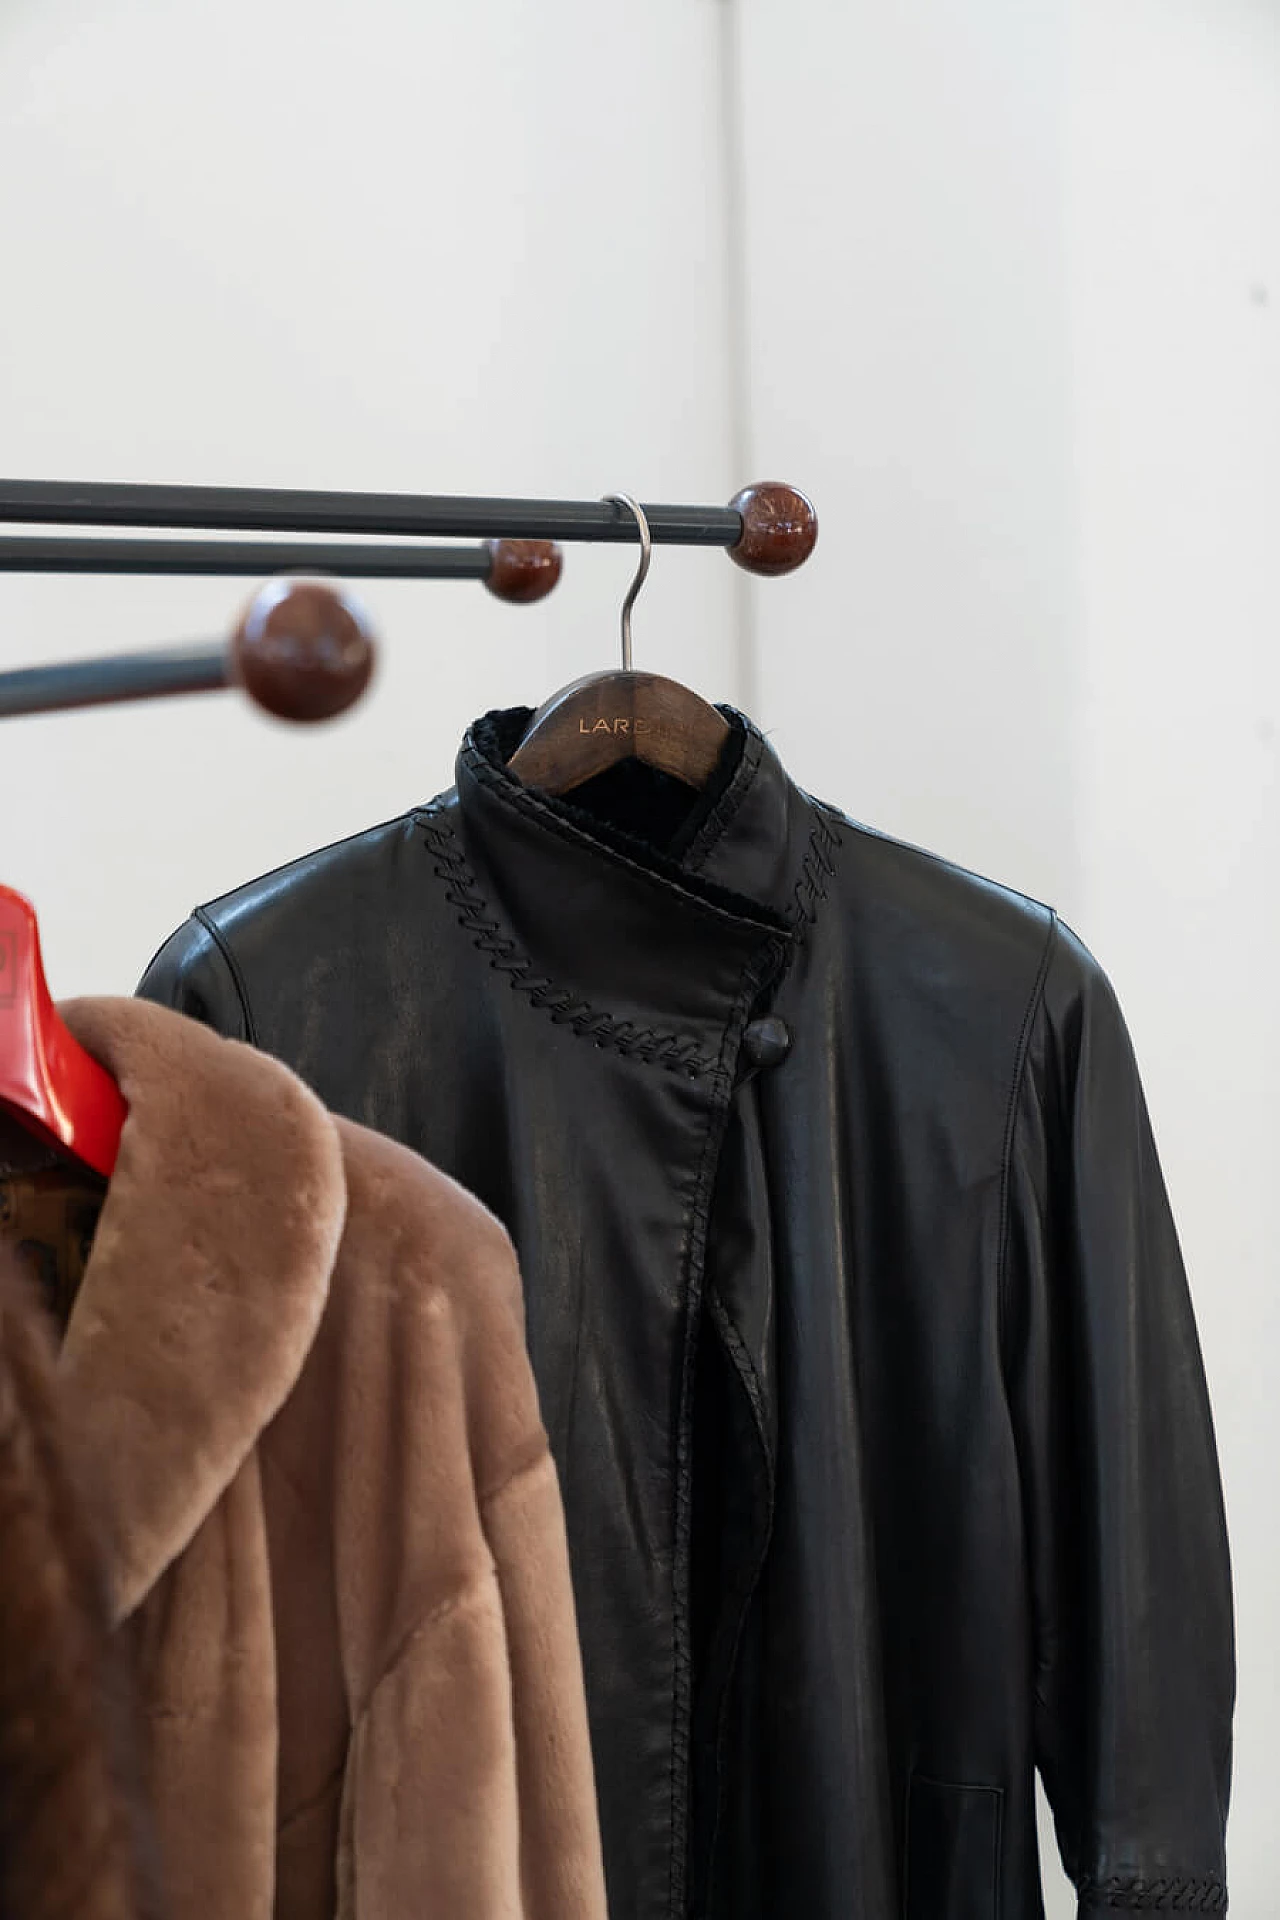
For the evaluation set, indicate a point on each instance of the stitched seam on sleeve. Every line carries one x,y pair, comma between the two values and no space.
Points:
233,968
464,1597
1011,1122
522,1472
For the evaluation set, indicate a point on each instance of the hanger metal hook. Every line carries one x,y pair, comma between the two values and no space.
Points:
646,554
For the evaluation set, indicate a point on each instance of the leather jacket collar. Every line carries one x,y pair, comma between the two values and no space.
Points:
643,939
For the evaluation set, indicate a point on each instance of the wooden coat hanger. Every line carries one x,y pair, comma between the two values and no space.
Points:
594,723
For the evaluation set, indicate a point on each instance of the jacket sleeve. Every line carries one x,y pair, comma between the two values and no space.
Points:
468,1787
193,973
1126,1533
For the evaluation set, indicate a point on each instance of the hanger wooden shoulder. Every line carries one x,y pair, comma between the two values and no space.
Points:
594,723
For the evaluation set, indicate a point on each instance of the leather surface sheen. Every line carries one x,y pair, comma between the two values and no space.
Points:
865,1348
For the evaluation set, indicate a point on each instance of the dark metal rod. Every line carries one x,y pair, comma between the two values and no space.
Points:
58,553
120,676
279,510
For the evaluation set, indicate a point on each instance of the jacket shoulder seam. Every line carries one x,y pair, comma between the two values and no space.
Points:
237,895
1034,1003
206,920
956,868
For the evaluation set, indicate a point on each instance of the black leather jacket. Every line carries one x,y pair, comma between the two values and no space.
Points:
857,1311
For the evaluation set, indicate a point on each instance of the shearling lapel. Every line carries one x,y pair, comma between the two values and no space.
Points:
209,1273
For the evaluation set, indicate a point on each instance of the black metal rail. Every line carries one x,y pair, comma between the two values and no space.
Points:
282,510
123,676
58,553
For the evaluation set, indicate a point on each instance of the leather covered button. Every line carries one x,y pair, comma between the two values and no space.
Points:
767,1042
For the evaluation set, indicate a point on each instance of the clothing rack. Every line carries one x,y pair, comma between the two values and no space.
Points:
310,657
768,528
151,675
35,553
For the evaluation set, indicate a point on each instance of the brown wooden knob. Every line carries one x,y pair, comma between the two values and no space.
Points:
523,570
303,651
779,528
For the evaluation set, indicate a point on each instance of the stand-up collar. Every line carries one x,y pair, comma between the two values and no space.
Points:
660,938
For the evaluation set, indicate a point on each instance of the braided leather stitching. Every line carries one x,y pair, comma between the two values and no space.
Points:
1155,1896
816,869
651,1045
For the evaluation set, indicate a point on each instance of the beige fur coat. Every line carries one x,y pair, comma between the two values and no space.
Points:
296,1368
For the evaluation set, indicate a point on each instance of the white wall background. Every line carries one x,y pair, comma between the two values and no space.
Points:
1175,245
909,357
451,250
999,285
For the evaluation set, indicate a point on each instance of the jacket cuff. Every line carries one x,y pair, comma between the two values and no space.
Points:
1106,1900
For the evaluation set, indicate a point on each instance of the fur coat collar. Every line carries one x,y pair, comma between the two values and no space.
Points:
211,1266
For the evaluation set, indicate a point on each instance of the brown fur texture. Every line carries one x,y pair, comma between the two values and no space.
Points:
335,1545
72,1828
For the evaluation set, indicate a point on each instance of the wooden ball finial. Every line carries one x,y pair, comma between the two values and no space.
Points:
302,650
523,570
779,528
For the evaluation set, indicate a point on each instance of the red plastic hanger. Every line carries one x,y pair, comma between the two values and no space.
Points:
47,1080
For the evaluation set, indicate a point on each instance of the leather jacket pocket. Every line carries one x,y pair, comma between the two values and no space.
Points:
953,1851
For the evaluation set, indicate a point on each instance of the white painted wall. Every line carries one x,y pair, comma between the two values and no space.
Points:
1007,306
908,352
395,246
1175,235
